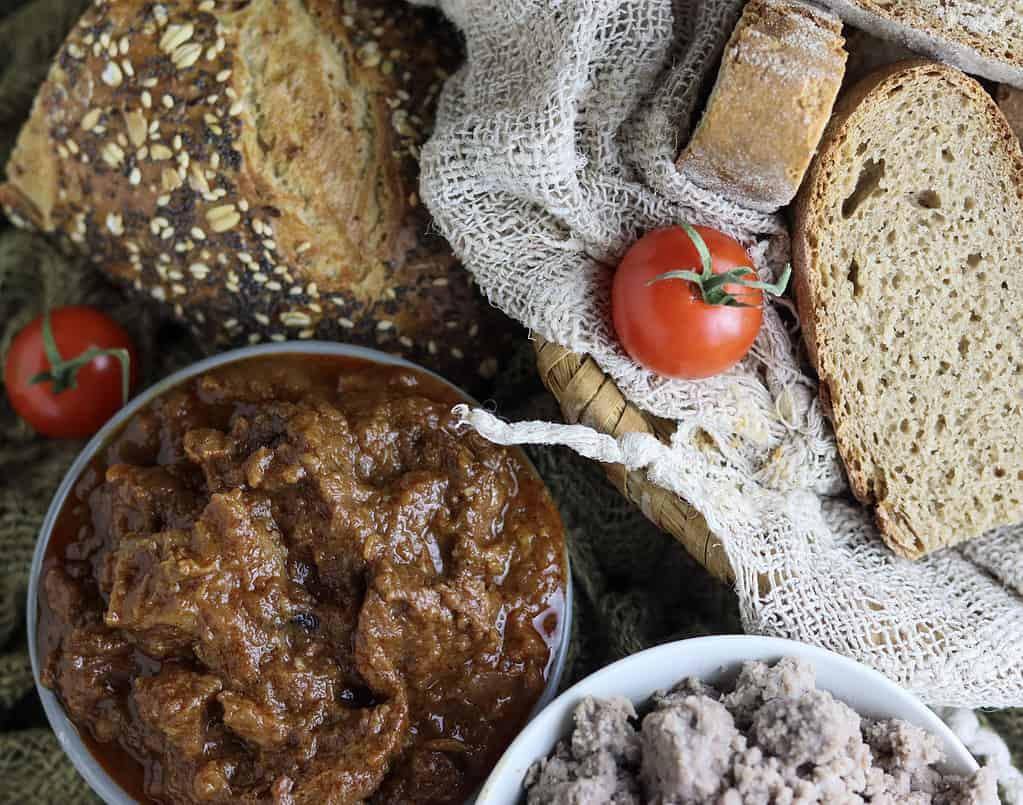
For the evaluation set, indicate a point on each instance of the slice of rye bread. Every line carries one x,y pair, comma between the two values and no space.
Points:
983,37
908,253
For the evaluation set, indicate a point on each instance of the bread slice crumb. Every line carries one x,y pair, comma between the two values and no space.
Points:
982,37
908,250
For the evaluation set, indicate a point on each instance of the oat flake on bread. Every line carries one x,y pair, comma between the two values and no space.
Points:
541,183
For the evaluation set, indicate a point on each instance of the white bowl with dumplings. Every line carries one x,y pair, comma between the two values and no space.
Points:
716,660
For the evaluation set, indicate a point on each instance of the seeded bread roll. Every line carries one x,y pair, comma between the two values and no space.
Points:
252,165
778,80
906,250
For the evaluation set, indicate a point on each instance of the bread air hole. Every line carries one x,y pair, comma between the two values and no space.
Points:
973,260
928,199
866,183
853,275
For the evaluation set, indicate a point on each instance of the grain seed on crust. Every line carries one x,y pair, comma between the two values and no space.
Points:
112,75
176,35
222,218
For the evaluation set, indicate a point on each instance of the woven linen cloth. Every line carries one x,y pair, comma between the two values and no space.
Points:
553,150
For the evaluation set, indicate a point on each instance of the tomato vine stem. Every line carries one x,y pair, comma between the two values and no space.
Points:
64,373
712,286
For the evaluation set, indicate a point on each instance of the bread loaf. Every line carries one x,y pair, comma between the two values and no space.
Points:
779,76
907,251
252,165
983,37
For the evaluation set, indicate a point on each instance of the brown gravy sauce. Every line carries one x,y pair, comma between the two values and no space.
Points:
483,580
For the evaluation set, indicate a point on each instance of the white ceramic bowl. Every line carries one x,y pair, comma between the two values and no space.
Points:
715,660
66,732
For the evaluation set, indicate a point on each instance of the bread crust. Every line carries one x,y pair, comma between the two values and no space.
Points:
861,100
252,166
780,73
924,33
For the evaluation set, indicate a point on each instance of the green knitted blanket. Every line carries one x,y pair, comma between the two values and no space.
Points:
628,576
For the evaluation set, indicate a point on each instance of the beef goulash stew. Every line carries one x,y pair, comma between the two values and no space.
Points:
291,580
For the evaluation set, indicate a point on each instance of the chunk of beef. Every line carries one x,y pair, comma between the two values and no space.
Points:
142,500
220,590
93,673
175,706
255,722
155,581
355,754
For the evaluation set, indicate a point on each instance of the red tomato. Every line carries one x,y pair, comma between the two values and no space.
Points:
93,386
666,325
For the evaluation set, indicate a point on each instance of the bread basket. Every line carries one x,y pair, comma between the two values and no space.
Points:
589,397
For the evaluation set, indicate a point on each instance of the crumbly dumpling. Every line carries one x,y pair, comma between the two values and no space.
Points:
773,739
758,682
687,749
597,764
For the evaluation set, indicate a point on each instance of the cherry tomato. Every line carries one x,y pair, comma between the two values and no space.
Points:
68,385
668,325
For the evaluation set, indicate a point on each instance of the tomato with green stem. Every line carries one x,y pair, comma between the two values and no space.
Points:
68,371
686,302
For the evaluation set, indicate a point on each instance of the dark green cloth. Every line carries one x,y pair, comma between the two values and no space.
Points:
634,586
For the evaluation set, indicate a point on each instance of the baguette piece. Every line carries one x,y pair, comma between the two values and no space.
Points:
907,247
778,80
983,37
252,167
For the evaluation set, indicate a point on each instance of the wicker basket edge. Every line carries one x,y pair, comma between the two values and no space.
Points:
587,396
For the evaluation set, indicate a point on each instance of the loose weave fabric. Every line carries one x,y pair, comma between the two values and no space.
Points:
553,150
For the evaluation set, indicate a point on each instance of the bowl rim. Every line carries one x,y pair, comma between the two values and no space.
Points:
536,741
67,733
